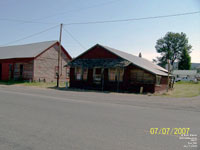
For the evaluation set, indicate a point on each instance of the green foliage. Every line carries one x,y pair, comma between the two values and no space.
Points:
171,47
184,61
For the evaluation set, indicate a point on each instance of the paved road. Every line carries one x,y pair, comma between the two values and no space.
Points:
46,119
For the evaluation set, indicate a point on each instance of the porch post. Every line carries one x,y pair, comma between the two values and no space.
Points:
102,76
12,71
117,79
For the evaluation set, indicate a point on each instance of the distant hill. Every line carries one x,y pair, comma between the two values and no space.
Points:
195,65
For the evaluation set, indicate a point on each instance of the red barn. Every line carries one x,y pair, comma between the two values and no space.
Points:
35,62
105,68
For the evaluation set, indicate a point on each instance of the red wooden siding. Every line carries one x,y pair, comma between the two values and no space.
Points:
98,53
5,71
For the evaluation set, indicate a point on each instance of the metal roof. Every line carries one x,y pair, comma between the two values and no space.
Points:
24,51
138,61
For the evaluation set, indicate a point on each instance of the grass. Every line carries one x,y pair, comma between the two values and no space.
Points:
34,84
184,89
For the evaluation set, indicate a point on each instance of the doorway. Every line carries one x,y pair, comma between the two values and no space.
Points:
21,71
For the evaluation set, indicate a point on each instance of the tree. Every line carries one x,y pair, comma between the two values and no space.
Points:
185,61
171,47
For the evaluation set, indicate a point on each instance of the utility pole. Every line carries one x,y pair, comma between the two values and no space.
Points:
168,62
59,53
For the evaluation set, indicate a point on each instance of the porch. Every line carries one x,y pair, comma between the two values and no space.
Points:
119,79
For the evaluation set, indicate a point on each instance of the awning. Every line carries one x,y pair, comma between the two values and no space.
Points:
102,63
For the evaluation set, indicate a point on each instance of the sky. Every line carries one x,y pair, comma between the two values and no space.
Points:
132,37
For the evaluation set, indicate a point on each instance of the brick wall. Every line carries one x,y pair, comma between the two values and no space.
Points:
45,65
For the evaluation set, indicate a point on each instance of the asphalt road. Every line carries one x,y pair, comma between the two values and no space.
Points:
46,119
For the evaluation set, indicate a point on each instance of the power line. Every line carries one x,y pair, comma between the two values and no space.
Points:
133,19
35,21
25,21
103,21
30,35
79,43
97,22
78,9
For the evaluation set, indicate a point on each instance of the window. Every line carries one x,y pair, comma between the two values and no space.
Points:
10,71
116,74
97,75
158,79
85,73
78,73
141,76
111,74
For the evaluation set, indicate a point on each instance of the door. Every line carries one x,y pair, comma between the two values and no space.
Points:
0,71
21,71
97,75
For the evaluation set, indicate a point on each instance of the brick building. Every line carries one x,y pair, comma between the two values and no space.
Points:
35,62
105,68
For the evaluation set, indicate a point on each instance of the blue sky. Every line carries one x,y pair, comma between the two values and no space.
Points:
132,37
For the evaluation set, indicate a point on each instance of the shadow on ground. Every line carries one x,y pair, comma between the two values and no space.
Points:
77,90
95,91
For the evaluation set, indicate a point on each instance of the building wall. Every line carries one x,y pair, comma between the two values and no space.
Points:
163,85
45,65
134,85
5,71
27,70
11,70
0,71
98,53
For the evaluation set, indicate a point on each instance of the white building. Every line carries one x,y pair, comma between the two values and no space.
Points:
186,75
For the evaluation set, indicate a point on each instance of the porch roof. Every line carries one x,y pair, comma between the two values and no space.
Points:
103,63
